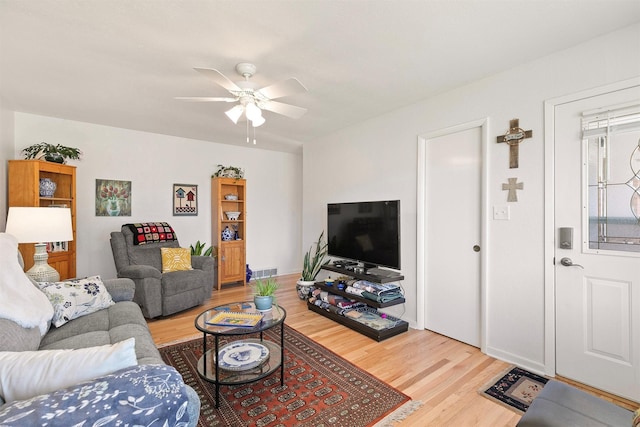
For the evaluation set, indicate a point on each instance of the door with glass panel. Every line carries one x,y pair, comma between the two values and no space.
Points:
597,255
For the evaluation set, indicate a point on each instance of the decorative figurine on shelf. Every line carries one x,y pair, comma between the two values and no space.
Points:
236,236
227,234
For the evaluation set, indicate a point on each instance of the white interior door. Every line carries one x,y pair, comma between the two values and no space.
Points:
598,283
453,217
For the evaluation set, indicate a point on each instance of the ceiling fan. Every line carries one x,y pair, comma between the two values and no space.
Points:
251,99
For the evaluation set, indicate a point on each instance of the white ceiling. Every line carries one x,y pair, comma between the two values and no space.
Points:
121,62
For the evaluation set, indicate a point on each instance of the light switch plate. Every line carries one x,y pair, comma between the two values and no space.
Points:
501,212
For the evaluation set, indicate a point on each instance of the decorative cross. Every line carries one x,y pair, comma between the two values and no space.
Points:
512,186
513,138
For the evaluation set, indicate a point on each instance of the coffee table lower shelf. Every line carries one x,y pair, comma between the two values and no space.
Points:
376,334
230,377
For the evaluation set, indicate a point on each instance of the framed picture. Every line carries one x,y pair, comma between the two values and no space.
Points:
185,199
113,197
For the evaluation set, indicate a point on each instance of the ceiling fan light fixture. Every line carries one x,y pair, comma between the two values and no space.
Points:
235,113
252,98
252,111
258,121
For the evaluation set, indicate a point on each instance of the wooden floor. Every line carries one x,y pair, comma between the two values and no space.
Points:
444,374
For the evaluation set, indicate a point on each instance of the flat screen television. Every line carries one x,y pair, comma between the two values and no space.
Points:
367,232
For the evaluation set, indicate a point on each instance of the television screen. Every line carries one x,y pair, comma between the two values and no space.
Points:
368,232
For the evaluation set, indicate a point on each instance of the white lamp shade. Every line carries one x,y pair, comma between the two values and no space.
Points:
253,112
258,121
34,225
235,113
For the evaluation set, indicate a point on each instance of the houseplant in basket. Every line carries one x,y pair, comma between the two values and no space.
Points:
264,293
51,153
228,172
313,260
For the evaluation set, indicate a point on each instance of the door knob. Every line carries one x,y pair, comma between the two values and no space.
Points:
568,263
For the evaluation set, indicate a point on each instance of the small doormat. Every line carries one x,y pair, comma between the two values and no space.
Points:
515,388
320,388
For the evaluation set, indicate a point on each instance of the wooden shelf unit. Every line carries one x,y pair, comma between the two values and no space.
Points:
231,259
24,190
376,334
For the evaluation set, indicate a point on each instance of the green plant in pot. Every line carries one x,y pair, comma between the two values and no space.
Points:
228,172
199,250
313,260
264,293
51,153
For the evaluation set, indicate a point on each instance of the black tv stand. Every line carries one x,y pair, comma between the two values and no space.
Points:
398,325
373,277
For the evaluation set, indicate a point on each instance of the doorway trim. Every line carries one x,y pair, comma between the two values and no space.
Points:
421,216
549,211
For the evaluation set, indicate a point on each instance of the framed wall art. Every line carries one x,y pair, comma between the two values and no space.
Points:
113,197
185,199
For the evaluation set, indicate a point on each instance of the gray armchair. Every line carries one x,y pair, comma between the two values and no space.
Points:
157,293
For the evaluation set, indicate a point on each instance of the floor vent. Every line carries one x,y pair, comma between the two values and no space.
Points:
263,274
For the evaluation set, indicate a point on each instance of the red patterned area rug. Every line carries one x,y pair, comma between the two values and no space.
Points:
320,389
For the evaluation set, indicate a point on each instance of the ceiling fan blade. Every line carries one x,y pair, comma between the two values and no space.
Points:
284,109
286,87
205,99
219,78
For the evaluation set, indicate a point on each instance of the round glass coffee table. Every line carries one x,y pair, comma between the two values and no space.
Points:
245,355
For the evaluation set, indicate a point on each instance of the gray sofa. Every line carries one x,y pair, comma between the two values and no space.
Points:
111,325
157,293
561,405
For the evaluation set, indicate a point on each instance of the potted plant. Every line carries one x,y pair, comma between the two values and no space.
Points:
313,260
51,153
228,172
264,293
198,250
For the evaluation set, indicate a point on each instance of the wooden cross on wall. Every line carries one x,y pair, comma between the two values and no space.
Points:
513,138
511,187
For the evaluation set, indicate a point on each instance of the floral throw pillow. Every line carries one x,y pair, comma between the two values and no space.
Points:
75,298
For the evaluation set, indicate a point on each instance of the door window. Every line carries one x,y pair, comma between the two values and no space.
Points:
612,142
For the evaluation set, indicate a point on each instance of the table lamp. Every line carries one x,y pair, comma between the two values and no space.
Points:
39,226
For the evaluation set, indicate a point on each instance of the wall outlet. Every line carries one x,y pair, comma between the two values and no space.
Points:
501,212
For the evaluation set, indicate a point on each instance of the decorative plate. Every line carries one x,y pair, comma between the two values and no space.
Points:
242,355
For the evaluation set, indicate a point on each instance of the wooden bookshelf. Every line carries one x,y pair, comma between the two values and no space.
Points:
231,259
24,190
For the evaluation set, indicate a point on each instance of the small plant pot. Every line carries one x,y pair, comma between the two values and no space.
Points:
54,157
263,302
304,288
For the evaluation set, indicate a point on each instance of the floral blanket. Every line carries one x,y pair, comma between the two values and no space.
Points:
145,395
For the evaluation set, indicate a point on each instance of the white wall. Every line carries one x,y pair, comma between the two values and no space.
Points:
153,163
377,160
6,153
